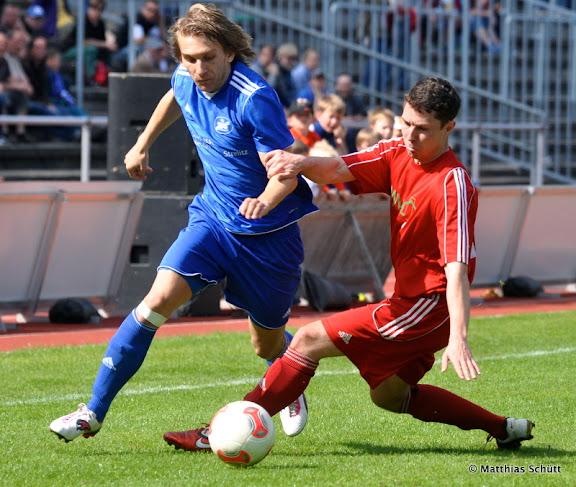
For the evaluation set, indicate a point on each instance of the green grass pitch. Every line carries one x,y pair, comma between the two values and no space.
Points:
529,369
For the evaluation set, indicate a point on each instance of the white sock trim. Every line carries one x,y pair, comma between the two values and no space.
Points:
150,316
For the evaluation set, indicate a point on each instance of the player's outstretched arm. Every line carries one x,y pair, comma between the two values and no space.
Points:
276,190
458,298
165,114
321,170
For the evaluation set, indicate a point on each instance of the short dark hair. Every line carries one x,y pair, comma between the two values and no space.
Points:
209,22
434,95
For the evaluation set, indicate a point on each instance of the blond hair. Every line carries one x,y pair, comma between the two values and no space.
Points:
209,22
368,137
380,113
331,102
322,148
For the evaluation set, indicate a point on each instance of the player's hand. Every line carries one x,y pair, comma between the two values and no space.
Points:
136,162
283,164
253,208
459,354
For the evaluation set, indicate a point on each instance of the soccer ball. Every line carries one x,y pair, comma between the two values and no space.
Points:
241,433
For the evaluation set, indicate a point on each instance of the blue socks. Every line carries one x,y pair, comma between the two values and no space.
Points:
289,337
123,358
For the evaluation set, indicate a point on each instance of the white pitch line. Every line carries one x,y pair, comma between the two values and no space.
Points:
254,381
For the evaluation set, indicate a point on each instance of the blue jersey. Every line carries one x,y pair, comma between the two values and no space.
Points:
229,129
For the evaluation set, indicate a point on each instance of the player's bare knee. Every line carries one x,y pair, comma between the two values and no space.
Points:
306,339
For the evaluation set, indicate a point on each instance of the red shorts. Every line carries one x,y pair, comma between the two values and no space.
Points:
394,337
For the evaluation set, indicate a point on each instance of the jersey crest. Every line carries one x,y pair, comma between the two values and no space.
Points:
222,125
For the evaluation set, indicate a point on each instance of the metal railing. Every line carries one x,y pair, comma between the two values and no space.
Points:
387,49
84,122
529,82
535,166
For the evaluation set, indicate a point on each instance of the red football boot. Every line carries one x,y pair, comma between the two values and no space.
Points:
191,440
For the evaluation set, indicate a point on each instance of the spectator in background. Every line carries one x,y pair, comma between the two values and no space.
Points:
40,100
34,20
58,18
355,108
154,58
300,118
316,88
367,138
286,57
57,89
299,147
98,42
149,24
332,192
17,88
345,89
330,110
11,18
265,64
302,73
396,25
484,24
435,27
382,120
34,64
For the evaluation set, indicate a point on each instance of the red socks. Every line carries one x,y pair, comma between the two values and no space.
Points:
285,381
289,375
430,403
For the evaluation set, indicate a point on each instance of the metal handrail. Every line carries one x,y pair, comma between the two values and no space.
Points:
84,122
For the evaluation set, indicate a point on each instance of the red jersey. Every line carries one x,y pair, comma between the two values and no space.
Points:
432,213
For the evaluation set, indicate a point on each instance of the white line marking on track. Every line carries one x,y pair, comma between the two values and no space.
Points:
254,381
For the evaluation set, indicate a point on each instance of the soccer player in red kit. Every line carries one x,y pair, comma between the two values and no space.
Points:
433,207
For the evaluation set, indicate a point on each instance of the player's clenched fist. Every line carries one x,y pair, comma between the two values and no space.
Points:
136,162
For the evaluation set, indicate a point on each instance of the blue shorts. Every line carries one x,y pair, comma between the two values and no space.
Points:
262,271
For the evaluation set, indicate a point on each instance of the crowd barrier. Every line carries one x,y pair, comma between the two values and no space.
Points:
74,239
64,239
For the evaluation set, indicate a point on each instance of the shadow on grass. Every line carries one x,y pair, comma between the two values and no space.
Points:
488,450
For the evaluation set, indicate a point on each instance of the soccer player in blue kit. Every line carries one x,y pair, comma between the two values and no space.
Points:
243,227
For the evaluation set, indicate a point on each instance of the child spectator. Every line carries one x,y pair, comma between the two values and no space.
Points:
300,117
382,120
367,138
299,147
332,192
329,113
